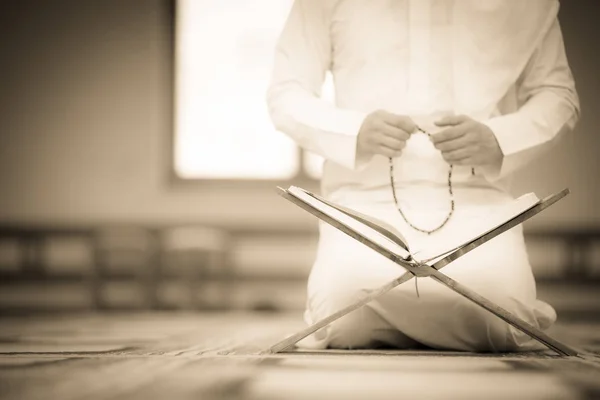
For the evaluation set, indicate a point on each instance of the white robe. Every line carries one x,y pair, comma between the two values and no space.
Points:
501,62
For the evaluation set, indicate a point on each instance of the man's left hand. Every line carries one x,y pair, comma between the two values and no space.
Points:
467,142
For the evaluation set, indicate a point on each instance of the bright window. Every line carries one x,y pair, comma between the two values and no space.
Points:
224,55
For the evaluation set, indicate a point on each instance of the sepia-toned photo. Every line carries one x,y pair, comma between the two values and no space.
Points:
299,199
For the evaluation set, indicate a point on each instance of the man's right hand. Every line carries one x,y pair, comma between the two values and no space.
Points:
384,133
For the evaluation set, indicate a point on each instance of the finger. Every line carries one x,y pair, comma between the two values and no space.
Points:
392,142
449,134
453,144
387,151
452,120
458,155
464,162
394,133
399,121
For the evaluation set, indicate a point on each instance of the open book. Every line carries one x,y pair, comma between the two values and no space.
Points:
388,237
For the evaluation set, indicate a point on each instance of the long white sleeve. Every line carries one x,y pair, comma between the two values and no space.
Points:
302,58
548,108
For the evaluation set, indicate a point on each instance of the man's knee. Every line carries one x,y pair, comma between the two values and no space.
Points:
361,328
353,331
487,332
364,328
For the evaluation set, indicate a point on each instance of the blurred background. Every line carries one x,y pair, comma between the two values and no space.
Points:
138,165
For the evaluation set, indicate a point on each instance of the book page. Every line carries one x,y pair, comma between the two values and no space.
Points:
496,217
395,245
382,227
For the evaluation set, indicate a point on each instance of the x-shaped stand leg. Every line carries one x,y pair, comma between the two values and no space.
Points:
425,270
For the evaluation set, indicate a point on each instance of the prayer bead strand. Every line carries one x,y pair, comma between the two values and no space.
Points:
429,232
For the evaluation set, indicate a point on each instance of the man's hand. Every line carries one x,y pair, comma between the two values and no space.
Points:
467,142
384,133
